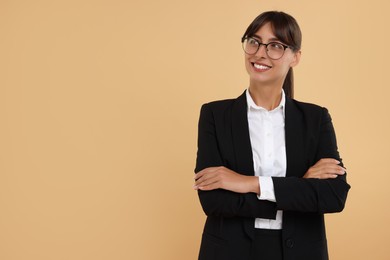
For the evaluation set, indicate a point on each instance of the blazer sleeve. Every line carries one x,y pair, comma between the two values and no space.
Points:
219,202
315,195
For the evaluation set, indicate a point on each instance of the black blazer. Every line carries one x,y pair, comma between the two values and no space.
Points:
223,140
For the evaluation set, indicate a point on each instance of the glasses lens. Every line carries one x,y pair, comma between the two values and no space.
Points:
250,46
275,50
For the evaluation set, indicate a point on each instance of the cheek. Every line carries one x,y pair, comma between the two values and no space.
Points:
248,64
285,69
283,66
289,60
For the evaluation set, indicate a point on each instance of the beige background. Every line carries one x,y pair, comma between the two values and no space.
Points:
99,102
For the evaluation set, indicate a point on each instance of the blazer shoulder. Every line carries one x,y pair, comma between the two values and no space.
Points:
307,106
310,109
219,104
219,109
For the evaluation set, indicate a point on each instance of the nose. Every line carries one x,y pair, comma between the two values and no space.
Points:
262,51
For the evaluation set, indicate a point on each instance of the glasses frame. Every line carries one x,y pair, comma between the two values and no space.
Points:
266,46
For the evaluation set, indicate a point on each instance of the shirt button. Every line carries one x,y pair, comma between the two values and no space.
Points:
290,243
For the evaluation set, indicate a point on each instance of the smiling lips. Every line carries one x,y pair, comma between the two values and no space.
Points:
261,67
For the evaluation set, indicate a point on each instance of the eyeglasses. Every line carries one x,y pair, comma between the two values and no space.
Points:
275,50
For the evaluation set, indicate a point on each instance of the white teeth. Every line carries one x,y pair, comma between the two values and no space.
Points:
261,67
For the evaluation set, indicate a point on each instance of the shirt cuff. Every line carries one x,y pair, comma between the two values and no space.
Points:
266,189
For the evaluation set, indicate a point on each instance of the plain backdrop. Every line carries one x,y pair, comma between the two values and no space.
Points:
99,103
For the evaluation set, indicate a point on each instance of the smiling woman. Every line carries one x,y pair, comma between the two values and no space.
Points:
267,167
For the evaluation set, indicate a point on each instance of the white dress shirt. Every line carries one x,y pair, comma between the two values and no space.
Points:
267,136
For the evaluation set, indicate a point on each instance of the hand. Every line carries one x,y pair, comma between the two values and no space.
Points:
222,178
326,168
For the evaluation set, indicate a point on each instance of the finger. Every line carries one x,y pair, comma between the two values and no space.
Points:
209,175
329,160
200,179
331,167
335,169
206,171
208,185
332,172
325,171
212,181
212,186
206,180
328,176
328,165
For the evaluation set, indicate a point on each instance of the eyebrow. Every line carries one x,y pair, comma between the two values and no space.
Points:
271,39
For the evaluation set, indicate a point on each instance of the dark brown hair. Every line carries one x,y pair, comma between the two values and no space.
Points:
287,30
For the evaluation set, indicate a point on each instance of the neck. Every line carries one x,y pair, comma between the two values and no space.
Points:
268,97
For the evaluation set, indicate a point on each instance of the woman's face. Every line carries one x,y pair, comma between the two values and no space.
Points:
262,69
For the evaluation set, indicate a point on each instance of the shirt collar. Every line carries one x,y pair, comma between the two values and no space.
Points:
252,104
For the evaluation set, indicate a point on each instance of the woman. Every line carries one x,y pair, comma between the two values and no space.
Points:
267,165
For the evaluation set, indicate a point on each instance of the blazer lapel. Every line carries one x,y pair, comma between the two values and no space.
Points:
240,133
295,139
242,148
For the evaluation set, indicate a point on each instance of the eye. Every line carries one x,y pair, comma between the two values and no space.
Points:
276,46
252,41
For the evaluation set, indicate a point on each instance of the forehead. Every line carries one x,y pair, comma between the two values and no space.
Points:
266,33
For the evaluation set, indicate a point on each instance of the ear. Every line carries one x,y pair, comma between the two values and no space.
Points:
296,59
